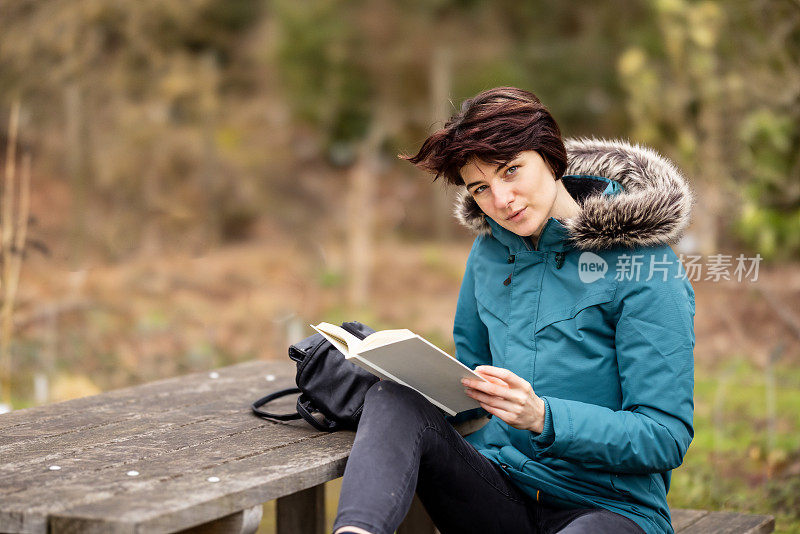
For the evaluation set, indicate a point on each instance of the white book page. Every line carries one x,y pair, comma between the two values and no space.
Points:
344,341
384,337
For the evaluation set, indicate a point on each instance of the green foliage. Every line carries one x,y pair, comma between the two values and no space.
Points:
319,56
773,232
562,53
730,464
211,26
770,218
712,88
328,278
492,74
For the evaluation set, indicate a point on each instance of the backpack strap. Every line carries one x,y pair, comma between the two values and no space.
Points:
305,409
271,397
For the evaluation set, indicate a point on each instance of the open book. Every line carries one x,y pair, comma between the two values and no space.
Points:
406,358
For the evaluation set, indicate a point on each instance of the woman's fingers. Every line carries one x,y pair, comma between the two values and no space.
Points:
494,401
498,389
512,395
505,375
498,412
494,380
506,396
490,377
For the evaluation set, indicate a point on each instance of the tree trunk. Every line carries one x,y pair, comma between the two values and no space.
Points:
441,83
361,200
77,167
209,105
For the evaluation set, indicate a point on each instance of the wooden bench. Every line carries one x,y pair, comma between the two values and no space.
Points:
186,455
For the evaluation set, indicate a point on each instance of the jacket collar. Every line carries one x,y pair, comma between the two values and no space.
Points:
643,201
555,236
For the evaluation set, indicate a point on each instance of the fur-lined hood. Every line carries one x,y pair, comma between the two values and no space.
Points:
653,208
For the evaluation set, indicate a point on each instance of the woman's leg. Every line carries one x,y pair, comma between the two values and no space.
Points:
585,521
405,444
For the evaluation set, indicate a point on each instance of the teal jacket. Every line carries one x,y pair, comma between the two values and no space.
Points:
599,318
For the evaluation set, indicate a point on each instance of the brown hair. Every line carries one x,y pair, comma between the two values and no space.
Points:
494,126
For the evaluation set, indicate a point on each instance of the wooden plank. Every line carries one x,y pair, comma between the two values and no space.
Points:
122,454
302,512
417,520
166,395
683,518
189,498
101,418
244,522
732,523
466,428
71,487
136,393
142,424
124,442
96,458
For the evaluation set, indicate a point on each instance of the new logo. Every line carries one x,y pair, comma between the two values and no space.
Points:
591,267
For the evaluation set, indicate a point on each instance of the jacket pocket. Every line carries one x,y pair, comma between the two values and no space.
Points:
492,303
632,487
556,490
571,310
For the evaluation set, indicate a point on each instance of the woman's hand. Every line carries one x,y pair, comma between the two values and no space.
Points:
508,397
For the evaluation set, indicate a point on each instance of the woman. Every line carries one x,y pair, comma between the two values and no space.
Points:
577,312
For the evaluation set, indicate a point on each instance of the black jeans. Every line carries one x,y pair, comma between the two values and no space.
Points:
404,444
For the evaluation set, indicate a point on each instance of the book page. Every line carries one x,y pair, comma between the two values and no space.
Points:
344,341
384,337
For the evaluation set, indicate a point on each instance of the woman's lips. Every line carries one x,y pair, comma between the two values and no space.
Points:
516,217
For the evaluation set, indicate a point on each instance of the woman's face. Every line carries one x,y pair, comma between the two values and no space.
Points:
519,194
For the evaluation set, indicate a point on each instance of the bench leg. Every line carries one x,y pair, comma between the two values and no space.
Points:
244,522
302,512
417,520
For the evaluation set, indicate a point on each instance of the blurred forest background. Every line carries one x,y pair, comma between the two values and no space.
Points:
206,177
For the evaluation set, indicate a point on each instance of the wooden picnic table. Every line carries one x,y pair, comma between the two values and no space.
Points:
186,453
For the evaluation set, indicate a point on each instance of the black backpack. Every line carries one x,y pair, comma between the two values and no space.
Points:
328,384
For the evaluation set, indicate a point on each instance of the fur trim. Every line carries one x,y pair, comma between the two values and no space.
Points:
653,209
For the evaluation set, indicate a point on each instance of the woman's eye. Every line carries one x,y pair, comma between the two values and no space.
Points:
478,190
512,169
